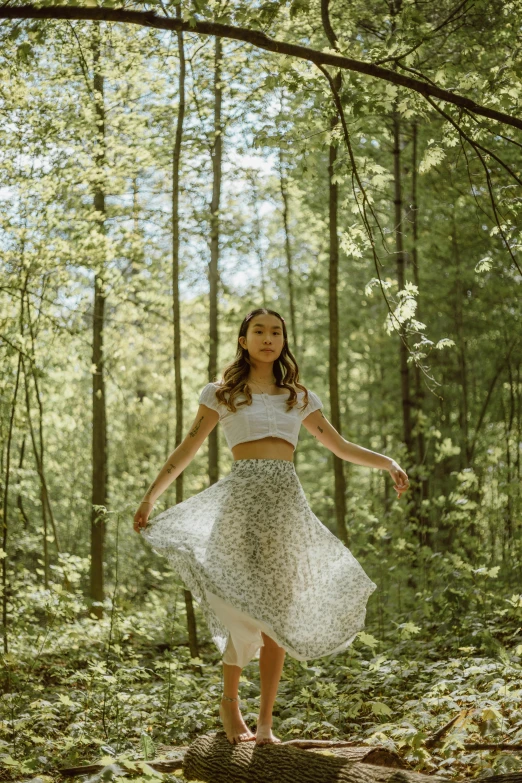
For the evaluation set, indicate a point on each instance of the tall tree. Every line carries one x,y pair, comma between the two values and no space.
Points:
176,309
213,269
99,410
420,486
333,304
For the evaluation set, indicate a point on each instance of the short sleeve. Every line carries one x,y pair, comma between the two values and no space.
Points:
314,404
208,397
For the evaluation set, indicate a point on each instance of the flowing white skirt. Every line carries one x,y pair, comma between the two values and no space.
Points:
257,559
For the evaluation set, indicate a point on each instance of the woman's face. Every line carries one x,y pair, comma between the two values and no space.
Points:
264,338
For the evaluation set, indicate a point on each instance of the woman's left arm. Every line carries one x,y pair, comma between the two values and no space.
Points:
319,426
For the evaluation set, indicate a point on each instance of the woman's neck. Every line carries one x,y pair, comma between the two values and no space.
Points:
263,376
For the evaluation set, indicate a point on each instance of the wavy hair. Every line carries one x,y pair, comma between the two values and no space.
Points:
234,376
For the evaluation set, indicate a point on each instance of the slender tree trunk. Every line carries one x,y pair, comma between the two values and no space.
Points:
213,272
508,430
383,418
176,159
39,448
99,413
333,278
176,310
283,185
400,262
518,388
38,452
257,235
5,524
136,266
421,485
333,309
461,353
19,499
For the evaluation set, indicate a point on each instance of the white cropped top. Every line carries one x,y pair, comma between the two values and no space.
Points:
266,416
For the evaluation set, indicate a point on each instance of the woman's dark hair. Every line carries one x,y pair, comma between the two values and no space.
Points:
235,374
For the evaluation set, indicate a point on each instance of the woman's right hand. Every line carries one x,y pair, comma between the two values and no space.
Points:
400,478
141,516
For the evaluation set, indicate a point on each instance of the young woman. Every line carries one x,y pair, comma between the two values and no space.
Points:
269,577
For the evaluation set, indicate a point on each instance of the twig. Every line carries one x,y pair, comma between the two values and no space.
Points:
429,742
491,746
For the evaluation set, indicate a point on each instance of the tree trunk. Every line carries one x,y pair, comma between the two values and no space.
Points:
506,511
39,450
283,185
213,272
99,413
176,158
421,484
19,499
333,315
257,235
518,388
461,353
6,481
293,336
333,310
399,251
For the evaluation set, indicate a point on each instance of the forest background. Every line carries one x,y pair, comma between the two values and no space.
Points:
154,187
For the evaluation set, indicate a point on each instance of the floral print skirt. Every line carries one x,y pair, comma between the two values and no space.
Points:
257,559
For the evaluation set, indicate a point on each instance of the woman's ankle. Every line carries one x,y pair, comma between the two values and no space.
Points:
229,699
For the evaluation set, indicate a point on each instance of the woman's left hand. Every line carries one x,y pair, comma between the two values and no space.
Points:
400,478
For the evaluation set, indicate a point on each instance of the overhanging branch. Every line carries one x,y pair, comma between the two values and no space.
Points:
261,41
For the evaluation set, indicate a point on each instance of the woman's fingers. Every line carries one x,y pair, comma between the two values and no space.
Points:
401,481
139,521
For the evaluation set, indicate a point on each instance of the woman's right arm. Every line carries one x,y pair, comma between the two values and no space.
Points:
205,421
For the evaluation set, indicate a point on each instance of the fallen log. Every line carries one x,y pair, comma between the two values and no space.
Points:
374,754
213,759
351,754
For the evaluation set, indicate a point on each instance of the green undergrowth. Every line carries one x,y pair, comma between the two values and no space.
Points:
124,689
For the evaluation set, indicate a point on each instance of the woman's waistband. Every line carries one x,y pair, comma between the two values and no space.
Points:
262,465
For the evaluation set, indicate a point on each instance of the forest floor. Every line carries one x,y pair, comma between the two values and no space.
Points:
77,690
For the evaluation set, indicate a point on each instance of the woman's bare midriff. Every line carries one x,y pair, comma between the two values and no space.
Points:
264,448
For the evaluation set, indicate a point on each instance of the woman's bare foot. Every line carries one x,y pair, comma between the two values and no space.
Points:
233,723
264,734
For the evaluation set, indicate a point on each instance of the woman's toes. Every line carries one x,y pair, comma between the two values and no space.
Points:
264,736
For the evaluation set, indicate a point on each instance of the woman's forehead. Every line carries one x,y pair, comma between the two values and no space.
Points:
266,320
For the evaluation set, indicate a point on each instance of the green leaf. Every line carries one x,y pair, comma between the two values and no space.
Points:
378,708
432,157
367,639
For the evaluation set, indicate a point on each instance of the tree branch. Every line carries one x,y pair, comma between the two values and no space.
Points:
262,41
477,148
